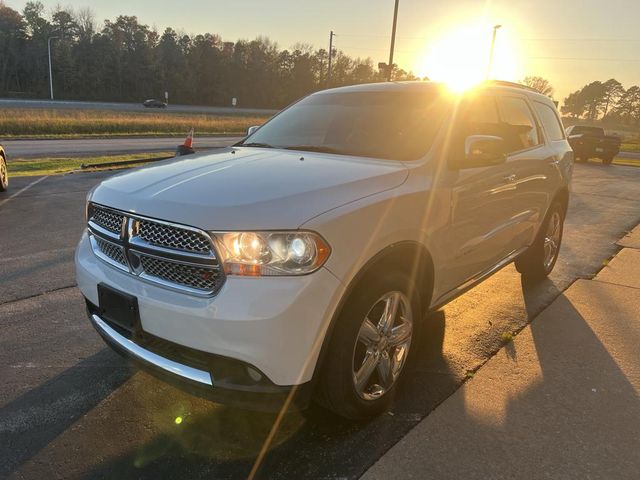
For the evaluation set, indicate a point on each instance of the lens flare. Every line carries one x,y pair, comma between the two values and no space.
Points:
459,58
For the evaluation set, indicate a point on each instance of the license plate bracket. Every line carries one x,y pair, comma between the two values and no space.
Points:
119,307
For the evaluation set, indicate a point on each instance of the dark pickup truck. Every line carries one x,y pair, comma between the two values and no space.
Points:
591,142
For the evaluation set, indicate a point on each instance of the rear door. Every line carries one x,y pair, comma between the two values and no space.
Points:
532,163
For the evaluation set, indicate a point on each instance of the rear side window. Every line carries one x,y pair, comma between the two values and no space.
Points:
549,120
519,126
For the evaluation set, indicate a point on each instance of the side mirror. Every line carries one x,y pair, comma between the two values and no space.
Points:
252,130
483,150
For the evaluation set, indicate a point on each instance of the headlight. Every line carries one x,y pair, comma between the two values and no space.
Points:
271,253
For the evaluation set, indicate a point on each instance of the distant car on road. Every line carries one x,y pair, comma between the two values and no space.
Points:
4,175
591,142
153,103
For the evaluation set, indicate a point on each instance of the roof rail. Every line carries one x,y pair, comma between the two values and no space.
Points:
505,83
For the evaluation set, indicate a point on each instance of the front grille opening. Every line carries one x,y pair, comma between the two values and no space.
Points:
193,268
114,252
107,219
202,278
172,237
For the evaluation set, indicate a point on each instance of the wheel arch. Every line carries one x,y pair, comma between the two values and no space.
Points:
409,256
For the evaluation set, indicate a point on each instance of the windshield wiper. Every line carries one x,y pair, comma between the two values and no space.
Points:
256,144
313,148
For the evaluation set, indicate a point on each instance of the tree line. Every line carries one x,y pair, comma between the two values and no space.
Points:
125,60
608,100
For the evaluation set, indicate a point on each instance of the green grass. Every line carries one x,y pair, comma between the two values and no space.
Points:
32,123
56,166
630,147
627,162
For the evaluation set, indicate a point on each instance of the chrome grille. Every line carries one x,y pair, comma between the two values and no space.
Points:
201,278
172,237
107,219
173,256
114,252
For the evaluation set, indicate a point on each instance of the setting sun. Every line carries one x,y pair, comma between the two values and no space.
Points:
459,57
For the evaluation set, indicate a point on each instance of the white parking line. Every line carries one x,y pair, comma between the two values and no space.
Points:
23,189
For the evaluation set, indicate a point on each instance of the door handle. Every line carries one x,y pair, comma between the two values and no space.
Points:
510,178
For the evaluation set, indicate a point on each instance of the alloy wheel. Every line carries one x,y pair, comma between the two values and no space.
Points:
382,345
552,239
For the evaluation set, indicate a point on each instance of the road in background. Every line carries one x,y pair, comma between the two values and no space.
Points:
70,407
83,147
130,107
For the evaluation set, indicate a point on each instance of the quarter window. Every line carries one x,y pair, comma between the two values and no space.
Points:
518,124
549,120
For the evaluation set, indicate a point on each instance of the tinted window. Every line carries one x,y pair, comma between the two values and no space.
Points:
480,117
519,127
390,125
595,131
549,120
475,116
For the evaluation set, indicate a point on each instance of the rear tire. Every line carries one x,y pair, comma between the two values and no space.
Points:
4,175
607,160
538,260
367,355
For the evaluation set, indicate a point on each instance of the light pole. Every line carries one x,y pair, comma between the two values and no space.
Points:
50,76
331,35
493,44
393,41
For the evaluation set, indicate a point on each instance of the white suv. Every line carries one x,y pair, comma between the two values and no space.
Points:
301,261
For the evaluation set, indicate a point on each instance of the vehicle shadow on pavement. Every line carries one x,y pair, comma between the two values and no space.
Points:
561,405
32,420
224,442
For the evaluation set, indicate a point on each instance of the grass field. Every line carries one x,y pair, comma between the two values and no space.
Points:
53,166
27,123
630,147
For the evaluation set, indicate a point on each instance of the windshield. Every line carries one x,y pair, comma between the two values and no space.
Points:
388,125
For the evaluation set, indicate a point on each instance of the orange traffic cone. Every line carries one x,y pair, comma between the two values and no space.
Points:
187,147
188,142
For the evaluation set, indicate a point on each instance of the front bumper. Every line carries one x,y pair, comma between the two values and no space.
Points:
201,382
275,324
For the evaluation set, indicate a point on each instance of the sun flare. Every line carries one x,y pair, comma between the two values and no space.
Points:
460,57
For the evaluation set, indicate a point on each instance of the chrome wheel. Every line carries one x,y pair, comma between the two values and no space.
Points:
382,345
552,239
3,172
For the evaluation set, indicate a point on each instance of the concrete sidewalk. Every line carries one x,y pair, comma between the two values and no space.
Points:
560,401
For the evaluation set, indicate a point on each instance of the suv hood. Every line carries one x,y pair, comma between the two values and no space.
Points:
250,189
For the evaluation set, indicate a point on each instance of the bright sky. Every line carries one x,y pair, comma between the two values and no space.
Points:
569,42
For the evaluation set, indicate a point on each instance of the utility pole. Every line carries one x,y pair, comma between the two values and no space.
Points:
493,44
50,76
330,55
393,41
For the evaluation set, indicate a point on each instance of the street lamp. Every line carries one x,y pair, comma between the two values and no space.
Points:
50,76
493,44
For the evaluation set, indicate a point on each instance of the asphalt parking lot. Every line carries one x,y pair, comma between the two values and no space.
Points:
72,408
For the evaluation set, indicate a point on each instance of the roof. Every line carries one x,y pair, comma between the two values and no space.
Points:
423,86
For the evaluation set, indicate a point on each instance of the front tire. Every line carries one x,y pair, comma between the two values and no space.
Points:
4,175
369,347
607,160
538,260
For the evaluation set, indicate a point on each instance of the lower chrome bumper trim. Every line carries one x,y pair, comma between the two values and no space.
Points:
136,351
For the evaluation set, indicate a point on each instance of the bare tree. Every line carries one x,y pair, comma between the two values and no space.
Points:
540,84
